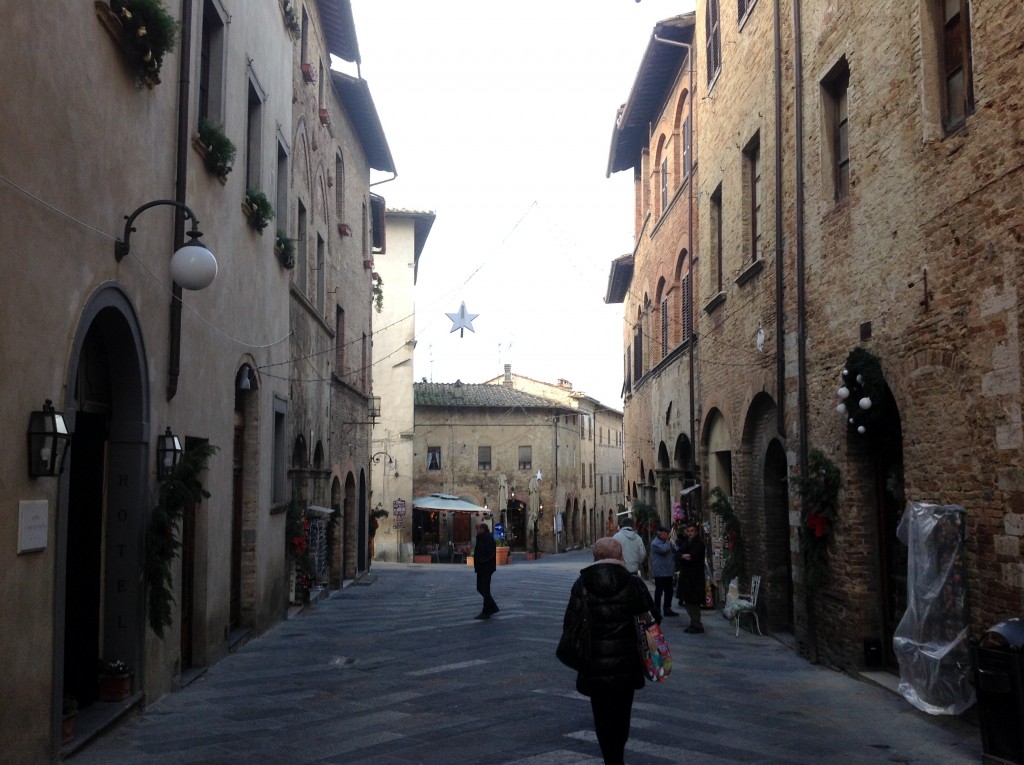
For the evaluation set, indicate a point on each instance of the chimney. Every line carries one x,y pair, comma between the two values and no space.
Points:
564,384
508,376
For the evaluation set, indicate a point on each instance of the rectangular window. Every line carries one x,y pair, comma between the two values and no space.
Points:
752,186
958,88
433,458
300,249
211,64
713,53
835,89
279,473
526,458
253,139
364,373
638,353
281,210
321,273
339,344
664,328
687,148
591,475
664,185
743,8
483,458
687,317
717,251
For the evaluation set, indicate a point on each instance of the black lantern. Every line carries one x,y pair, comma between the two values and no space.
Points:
48,440
168,450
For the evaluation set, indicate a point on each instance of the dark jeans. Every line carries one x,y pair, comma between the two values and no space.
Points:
662,593
612,709
483,586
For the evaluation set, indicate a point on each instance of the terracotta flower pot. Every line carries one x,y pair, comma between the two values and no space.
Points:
115,687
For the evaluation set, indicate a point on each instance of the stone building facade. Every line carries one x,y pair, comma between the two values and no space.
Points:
469,437
654,138
394,340
600,454
126,354
857,185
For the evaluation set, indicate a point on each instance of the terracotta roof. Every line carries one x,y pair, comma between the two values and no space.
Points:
339,29
654,80
355,95
478,395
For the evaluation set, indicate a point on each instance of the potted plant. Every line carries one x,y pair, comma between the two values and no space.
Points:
501,551
145,32
285,249
69,717
258,209
115,680
378,291
297,550
291,18
217,149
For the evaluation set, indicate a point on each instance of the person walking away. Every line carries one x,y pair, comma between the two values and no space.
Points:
484,564
691,576
614,671
663,569
633,549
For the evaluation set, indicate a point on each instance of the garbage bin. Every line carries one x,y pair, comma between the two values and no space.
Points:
1000,687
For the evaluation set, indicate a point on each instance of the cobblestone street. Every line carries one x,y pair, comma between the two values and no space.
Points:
396,671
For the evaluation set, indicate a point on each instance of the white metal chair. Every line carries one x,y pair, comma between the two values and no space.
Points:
747,606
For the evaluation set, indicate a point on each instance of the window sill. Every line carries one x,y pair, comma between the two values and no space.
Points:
715,302
750,272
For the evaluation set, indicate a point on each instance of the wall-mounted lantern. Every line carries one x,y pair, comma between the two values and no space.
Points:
168,451
48,440
192,266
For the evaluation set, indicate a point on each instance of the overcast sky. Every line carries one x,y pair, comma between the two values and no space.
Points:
499,117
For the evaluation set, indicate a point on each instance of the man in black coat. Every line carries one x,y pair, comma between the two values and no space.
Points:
484,564
691,576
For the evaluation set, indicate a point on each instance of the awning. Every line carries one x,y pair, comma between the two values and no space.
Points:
447,502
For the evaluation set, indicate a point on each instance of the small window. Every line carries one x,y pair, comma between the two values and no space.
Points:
687,148
752,189
664,328
321,273
483,458
433,458
300,249
743,8
212,54
254,138
958,88
526,458
713,41
664,185
687,317
835,89
717,249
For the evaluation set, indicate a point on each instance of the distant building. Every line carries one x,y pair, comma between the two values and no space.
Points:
394,340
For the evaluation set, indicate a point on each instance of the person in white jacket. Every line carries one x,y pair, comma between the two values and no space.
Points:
633,549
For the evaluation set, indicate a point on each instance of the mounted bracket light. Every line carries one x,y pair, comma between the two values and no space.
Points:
168,451
193,266
48,440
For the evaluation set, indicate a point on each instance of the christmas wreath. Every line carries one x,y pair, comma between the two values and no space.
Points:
820,494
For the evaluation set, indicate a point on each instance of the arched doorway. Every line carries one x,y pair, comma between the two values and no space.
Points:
104,501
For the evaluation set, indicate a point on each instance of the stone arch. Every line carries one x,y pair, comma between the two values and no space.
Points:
762,503
104,499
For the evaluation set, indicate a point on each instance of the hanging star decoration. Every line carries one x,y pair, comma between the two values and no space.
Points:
462,320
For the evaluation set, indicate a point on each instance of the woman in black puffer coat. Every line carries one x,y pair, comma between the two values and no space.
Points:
614,671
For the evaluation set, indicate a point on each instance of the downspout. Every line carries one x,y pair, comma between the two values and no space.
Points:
554,493
180,184
780,287
801,291
689,250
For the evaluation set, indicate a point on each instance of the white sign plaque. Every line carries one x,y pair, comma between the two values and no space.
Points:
33,525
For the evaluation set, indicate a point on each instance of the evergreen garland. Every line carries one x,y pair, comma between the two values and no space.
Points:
820,494
179,489
732,539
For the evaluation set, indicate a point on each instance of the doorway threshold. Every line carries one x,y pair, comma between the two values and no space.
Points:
97,718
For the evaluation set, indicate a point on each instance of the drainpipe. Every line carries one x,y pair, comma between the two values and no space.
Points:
801,292
180,182
780,287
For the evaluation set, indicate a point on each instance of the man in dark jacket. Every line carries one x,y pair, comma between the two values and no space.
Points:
614,671
691,576
484,564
